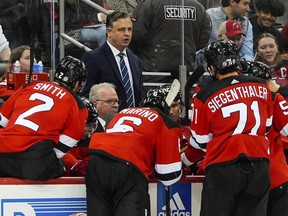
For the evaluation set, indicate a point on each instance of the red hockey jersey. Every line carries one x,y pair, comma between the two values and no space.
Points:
283,90
41,111
230,119
144,137
189,154
278,166
281,75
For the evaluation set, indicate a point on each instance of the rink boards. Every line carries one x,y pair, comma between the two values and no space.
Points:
66,196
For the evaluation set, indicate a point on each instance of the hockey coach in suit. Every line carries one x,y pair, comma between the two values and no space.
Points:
104,63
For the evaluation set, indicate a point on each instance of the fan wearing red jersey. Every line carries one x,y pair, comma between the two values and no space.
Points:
136,142
230,118
41,121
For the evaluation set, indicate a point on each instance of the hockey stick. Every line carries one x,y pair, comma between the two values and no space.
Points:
167,200
197,73
175,88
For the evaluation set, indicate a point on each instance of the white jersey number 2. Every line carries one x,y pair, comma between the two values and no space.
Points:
48,104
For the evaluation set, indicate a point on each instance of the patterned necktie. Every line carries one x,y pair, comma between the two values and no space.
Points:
126,81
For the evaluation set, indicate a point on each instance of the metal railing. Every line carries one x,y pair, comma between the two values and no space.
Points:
62,26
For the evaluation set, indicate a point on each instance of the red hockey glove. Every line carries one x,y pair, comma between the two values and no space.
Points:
79,169
200,170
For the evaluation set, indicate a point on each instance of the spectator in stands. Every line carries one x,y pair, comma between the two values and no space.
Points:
236,153
103,63
267,51
136,141
157,40
21,54
231,30
41,121
264,21
4,46
83,24
105,98
236,10
284,32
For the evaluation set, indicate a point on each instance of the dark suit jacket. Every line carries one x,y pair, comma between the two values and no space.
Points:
102,67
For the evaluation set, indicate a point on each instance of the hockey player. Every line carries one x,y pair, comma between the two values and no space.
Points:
136,141
189,155
278,198
41,121
230,118
76,159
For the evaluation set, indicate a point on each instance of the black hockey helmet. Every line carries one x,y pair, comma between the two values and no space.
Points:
166,88
92,111
261,70
92,121
156,98
223,55
70,70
